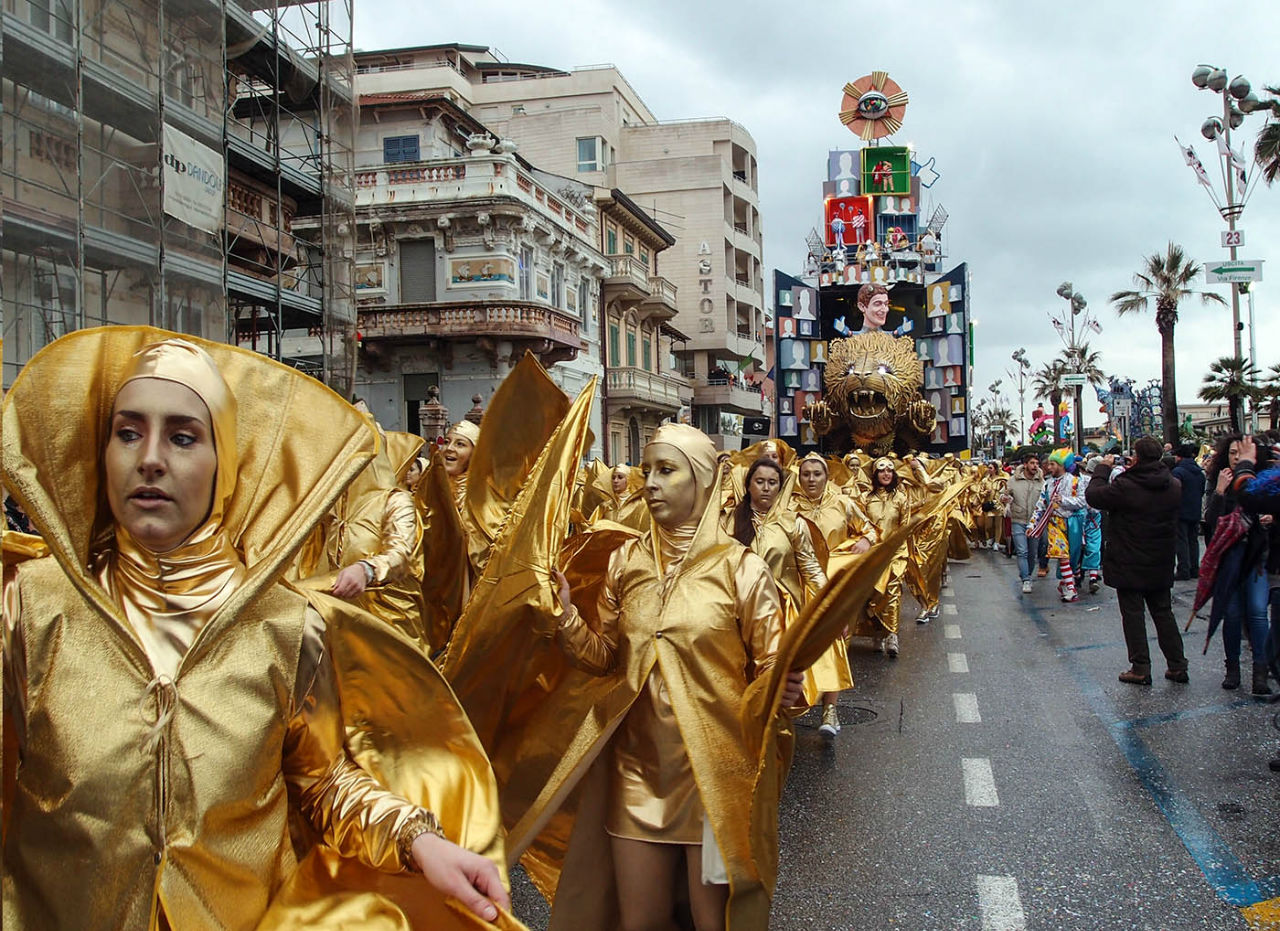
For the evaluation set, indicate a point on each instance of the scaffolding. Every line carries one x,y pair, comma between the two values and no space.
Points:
114,109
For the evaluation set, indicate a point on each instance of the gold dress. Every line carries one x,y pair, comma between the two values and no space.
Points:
837,518
224,710
926,548
653,791
887,511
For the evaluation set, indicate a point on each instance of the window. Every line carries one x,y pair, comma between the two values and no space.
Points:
584,299
629,246
557,284
614,355
647,347
611,241
526,273
631,348
399,149
644,257
590,154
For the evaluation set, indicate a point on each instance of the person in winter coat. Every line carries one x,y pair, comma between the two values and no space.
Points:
1189,474
1244,588
1142,505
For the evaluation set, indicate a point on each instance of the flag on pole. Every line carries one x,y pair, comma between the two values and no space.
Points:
1190,157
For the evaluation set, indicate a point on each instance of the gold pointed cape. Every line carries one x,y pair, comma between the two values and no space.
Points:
514,599
446,580
298,446
522,415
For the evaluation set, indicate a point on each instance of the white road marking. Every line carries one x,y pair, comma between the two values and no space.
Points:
951,631
966,708
979,783
950,609
958,662
1000,904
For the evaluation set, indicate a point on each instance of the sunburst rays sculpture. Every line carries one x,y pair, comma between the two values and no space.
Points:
873,106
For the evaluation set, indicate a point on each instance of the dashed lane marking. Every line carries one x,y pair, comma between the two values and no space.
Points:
1000,904
958,662
951,631
966,708
979,783
950,609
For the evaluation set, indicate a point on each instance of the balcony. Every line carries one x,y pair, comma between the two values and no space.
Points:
634,387
545,330
627,279
485,176
661,303
726,394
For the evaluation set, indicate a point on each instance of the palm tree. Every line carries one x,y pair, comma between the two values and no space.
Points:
1266,151
1046,381
1271,393
1232,380
1167,280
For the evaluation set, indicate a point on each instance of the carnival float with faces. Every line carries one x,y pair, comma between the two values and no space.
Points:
873,350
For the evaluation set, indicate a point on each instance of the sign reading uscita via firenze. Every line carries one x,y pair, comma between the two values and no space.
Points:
194,181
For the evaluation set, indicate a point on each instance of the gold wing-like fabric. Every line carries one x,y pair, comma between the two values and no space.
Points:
803,643
446,576
502,640
402,449
522,415
408,730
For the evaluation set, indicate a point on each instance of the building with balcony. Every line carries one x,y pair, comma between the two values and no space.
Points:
699,177
468,257
642,388
158,165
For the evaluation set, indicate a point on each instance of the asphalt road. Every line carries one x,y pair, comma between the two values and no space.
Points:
997,777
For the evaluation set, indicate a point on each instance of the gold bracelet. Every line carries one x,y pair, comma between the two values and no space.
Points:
419,823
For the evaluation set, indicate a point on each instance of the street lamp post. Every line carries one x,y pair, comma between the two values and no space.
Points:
1020,376
1238,99
993,434
1066,327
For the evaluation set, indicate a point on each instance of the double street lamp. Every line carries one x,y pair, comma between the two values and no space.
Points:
1020,376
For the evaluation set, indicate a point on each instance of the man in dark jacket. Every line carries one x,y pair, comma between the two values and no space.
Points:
1188,472
1142,507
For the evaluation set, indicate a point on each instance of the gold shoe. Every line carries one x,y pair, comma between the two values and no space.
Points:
830,725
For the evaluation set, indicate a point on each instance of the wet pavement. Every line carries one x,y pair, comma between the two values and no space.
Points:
997,776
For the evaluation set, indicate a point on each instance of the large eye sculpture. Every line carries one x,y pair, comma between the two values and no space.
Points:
873,106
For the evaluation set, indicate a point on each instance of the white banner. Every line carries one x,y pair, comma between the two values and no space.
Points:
194,181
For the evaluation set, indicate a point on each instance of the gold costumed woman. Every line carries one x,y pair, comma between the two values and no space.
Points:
838,519
624,504
686,617
927,547
886,506
177,711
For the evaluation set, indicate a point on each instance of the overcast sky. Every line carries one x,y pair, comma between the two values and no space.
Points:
1051,123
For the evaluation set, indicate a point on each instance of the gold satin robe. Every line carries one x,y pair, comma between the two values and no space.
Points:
654,792
838,518
926,548
887,511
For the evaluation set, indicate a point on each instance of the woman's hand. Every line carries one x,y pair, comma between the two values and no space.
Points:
1266,520
350,582
1248,449
862,546
1224,479
468,877
564,594
793,691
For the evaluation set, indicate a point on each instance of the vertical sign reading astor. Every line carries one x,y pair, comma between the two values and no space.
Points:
194,181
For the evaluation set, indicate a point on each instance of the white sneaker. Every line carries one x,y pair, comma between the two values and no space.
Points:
925,617
1026,586
891,645
830,725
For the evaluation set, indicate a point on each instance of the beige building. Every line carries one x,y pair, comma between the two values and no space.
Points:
697,178
148,176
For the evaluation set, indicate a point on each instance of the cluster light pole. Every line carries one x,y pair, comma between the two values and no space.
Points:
1238,100
1019,377
1070,324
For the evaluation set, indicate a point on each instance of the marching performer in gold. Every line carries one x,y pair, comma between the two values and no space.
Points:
887,507
927,547
685,619
838,518
177,710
